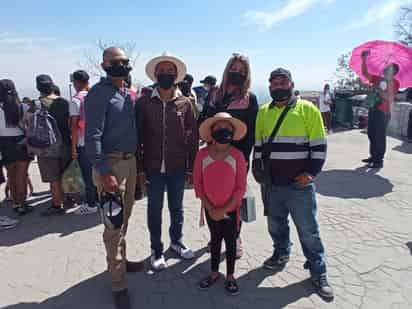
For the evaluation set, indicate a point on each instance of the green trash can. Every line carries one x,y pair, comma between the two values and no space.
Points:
343,113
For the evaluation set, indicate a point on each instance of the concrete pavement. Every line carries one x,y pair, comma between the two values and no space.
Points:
365,218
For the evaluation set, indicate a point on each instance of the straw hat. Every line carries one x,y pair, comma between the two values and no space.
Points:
239,127
152,64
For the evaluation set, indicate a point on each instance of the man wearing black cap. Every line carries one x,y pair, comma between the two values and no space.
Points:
209,82
203,93
209,85
80,80
52,166
185,87
293,154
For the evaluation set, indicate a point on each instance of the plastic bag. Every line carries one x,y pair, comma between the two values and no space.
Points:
72,180
248,208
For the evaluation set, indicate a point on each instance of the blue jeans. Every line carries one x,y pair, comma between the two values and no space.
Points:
300,203
174,184
86,168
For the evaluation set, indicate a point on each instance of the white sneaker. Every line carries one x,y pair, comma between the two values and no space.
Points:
84,209
183,251
7,223
158,262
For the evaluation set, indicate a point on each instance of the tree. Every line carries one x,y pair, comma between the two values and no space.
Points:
345,77
93,58
403,27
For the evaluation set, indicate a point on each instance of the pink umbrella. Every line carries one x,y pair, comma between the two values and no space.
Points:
383,53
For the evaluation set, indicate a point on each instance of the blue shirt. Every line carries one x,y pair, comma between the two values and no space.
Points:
110,124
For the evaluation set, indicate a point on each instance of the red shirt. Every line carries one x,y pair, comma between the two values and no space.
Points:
385,106
220,180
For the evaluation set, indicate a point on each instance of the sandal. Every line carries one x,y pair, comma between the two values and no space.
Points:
23,209
207,282
231,287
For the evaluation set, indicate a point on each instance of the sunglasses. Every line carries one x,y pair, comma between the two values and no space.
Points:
124,62
240,57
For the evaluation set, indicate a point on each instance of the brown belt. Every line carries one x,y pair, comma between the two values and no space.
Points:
120,155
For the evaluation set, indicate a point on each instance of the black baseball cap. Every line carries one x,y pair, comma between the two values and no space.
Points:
209,80
44,83
280,72
44,79
81,76
188,78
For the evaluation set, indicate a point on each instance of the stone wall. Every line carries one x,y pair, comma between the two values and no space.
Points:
398,126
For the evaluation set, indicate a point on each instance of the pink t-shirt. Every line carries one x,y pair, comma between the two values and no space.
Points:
220,180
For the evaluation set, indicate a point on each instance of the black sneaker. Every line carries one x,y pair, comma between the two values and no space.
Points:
134,267
368,160
231,287
277,261
24,209
323,287
121,299
375,165
53,211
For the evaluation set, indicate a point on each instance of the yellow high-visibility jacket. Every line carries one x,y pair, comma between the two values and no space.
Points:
300,144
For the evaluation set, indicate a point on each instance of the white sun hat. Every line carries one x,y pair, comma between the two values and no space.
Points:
165,57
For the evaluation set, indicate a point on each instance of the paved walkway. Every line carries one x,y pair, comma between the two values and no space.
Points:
365,221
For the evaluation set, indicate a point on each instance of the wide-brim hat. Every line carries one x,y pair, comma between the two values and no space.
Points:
180,65
205,130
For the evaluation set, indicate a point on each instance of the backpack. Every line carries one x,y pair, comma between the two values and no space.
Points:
43,135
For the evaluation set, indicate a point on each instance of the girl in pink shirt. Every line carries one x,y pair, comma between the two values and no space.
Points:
220,183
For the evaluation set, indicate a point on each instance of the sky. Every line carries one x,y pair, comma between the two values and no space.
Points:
305,36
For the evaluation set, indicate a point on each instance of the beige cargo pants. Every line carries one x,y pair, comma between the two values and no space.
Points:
114,240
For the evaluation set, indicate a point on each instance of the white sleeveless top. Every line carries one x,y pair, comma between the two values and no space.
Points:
6,131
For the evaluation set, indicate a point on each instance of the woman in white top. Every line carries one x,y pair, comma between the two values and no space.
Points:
12,145
325,101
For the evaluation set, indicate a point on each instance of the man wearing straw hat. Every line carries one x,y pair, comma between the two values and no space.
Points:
168,141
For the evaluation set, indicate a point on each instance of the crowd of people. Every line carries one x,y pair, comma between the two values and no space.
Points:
125,139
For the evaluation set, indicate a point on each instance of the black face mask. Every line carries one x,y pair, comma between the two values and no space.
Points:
279,95
185,88
236,78
223,136
118,70
166,81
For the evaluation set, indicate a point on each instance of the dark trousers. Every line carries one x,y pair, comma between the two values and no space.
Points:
327,120
377,124
410,125
219,230
86,168
174,183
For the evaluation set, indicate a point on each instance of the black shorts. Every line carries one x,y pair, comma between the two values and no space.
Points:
13,149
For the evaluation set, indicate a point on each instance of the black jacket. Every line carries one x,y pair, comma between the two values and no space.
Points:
248,116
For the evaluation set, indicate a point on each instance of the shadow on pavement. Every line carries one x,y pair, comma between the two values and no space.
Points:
33,225
405,148
176,287
362,183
